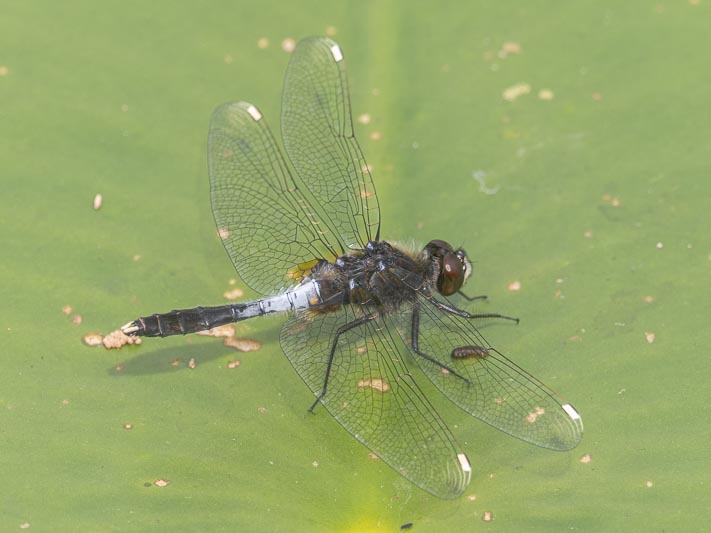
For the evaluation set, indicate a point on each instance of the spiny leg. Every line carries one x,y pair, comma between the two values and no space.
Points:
340,331
448,308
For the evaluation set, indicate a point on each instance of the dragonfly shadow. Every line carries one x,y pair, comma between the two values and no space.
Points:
165,360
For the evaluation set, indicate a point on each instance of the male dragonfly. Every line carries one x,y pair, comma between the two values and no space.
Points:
304,231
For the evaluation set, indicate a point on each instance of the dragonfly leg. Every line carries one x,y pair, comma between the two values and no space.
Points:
449,308
416,343
340,331
472,298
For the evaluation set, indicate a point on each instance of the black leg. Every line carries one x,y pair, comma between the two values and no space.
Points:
472,298
449,308
346,327
416,343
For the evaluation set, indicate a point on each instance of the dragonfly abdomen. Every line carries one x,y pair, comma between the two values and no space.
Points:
184,321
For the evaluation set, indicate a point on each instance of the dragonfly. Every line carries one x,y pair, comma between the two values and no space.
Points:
364,314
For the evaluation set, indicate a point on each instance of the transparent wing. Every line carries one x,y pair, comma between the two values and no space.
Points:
499,392
267,226
374,398
317,129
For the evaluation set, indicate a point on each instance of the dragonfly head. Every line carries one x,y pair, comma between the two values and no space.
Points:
451,267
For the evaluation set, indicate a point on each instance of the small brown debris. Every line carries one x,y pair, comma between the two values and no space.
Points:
67,309
649,336
588,234
373,456
545,94
118,339
4,71
119,367
612,200
360,350
92,339
648,299
470,352
514,286
161,483
223,233
375,136
585,459
512,93
263,43
262,409
233,294
243,345
330,31
77,319
375,384
535,414
191,363
98,200
510,47
288,45
471,497
233,364
488,516
175,362
364,118
128,425
228,330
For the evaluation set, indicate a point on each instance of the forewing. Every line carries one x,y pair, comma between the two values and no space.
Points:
267,225
375,399
317,129
498,391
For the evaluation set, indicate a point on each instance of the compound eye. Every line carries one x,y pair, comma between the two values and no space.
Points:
451,275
